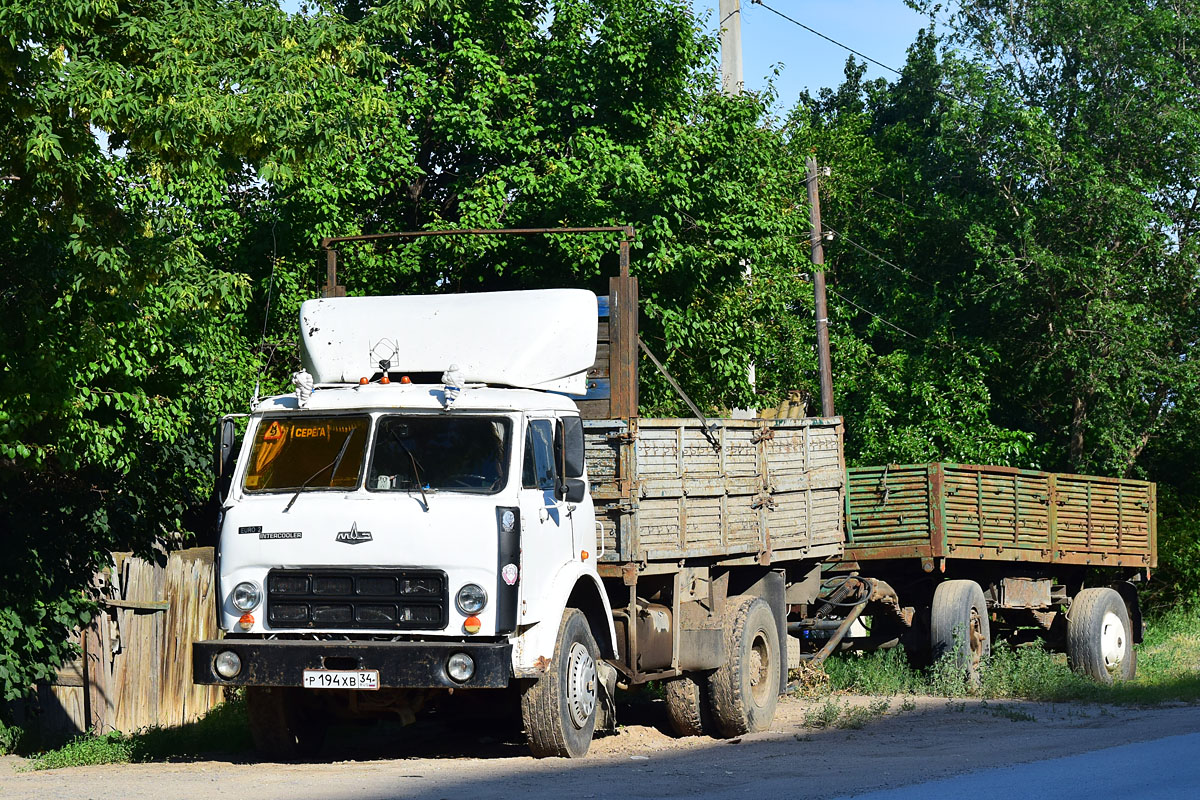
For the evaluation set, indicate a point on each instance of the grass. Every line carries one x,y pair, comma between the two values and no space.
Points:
836,713
1168,670
222,730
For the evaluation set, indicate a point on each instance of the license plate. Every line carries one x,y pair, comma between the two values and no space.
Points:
341,679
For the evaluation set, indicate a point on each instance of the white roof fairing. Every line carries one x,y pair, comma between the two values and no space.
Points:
537,339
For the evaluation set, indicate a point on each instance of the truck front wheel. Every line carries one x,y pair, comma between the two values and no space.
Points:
559,708
1099,644
283,724
745,689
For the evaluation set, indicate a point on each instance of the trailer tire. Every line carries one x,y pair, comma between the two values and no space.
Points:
689,706
282,724
1099,636
559,708
959,627
745,689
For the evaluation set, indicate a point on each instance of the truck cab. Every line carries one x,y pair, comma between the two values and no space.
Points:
415,518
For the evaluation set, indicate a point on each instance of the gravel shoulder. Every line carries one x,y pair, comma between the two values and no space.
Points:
913,741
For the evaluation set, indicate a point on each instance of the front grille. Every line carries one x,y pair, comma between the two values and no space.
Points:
391,599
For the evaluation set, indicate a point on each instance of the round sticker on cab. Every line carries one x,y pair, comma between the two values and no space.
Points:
509,573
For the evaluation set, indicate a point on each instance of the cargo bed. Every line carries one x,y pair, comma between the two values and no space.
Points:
959,511
762,490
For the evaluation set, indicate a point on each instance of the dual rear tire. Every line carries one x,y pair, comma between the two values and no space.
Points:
741,695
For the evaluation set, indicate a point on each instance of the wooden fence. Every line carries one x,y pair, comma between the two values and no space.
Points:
135,665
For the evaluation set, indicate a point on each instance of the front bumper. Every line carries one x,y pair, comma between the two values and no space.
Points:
401,665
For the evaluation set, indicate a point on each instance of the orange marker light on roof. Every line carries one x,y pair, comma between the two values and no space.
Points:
385,379
472,625
362,381
406,379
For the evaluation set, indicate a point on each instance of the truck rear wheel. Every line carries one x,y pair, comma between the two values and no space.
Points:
689,706
959,627
559,708
1099,643
745,689
282,723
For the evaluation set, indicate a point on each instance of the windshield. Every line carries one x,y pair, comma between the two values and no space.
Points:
461,454
290,453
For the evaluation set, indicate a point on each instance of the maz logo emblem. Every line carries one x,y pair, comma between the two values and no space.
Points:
354,535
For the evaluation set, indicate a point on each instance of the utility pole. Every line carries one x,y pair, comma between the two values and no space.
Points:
730,26
824,367
730,37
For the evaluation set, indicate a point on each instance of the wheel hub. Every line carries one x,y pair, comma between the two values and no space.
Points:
581,684
757,669
1113,641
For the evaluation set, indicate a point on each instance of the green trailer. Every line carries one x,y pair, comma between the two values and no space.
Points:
967,553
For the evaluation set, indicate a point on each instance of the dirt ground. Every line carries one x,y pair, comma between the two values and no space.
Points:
914,740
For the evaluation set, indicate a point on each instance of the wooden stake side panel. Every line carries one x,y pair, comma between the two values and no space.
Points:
999,513
664,491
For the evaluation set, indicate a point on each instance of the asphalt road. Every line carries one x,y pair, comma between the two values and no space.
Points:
940,749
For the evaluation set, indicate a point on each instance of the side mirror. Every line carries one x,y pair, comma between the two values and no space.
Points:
573,447
574,490
223,456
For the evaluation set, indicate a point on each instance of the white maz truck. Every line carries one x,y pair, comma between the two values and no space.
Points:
461,495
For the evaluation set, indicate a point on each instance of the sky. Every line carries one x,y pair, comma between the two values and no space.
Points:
881,29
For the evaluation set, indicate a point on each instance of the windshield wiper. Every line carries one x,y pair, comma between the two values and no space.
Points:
337,462
416,470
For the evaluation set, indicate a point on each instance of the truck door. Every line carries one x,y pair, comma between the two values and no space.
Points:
546,535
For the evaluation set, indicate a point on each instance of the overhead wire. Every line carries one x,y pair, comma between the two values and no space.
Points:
873,314
876,62
876,256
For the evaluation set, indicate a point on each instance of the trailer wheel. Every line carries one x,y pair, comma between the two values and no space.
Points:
959,627
559,708
689,706
745,689
282,724
1099,640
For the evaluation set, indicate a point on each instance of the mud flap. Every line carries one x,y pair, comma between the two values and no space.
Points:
606,696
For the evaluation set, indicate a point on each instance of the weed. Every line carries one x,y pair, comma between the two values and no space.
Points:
823,715
10,738
882,672
223,729
85,751
1167,671
858,716
909,703
1014,714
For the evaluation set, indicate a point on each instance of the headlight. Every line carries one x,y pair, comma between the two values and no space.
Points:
460,667
246,596
471,599
228,664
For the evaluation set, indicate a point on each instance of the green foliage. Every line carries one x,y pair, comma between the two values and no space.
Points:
1166,671
87,751
1013,269
222,730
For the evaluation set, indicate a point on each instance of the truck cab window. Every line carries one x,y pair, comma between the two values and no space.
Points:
458,454
539,471
301,451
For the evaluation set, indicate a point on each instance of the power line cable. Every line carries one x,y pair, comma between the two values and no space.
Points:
876,256
861,54
816,32
872,313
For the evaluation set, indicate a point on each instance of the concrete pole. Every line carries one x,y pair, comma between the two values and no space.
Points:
731,46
